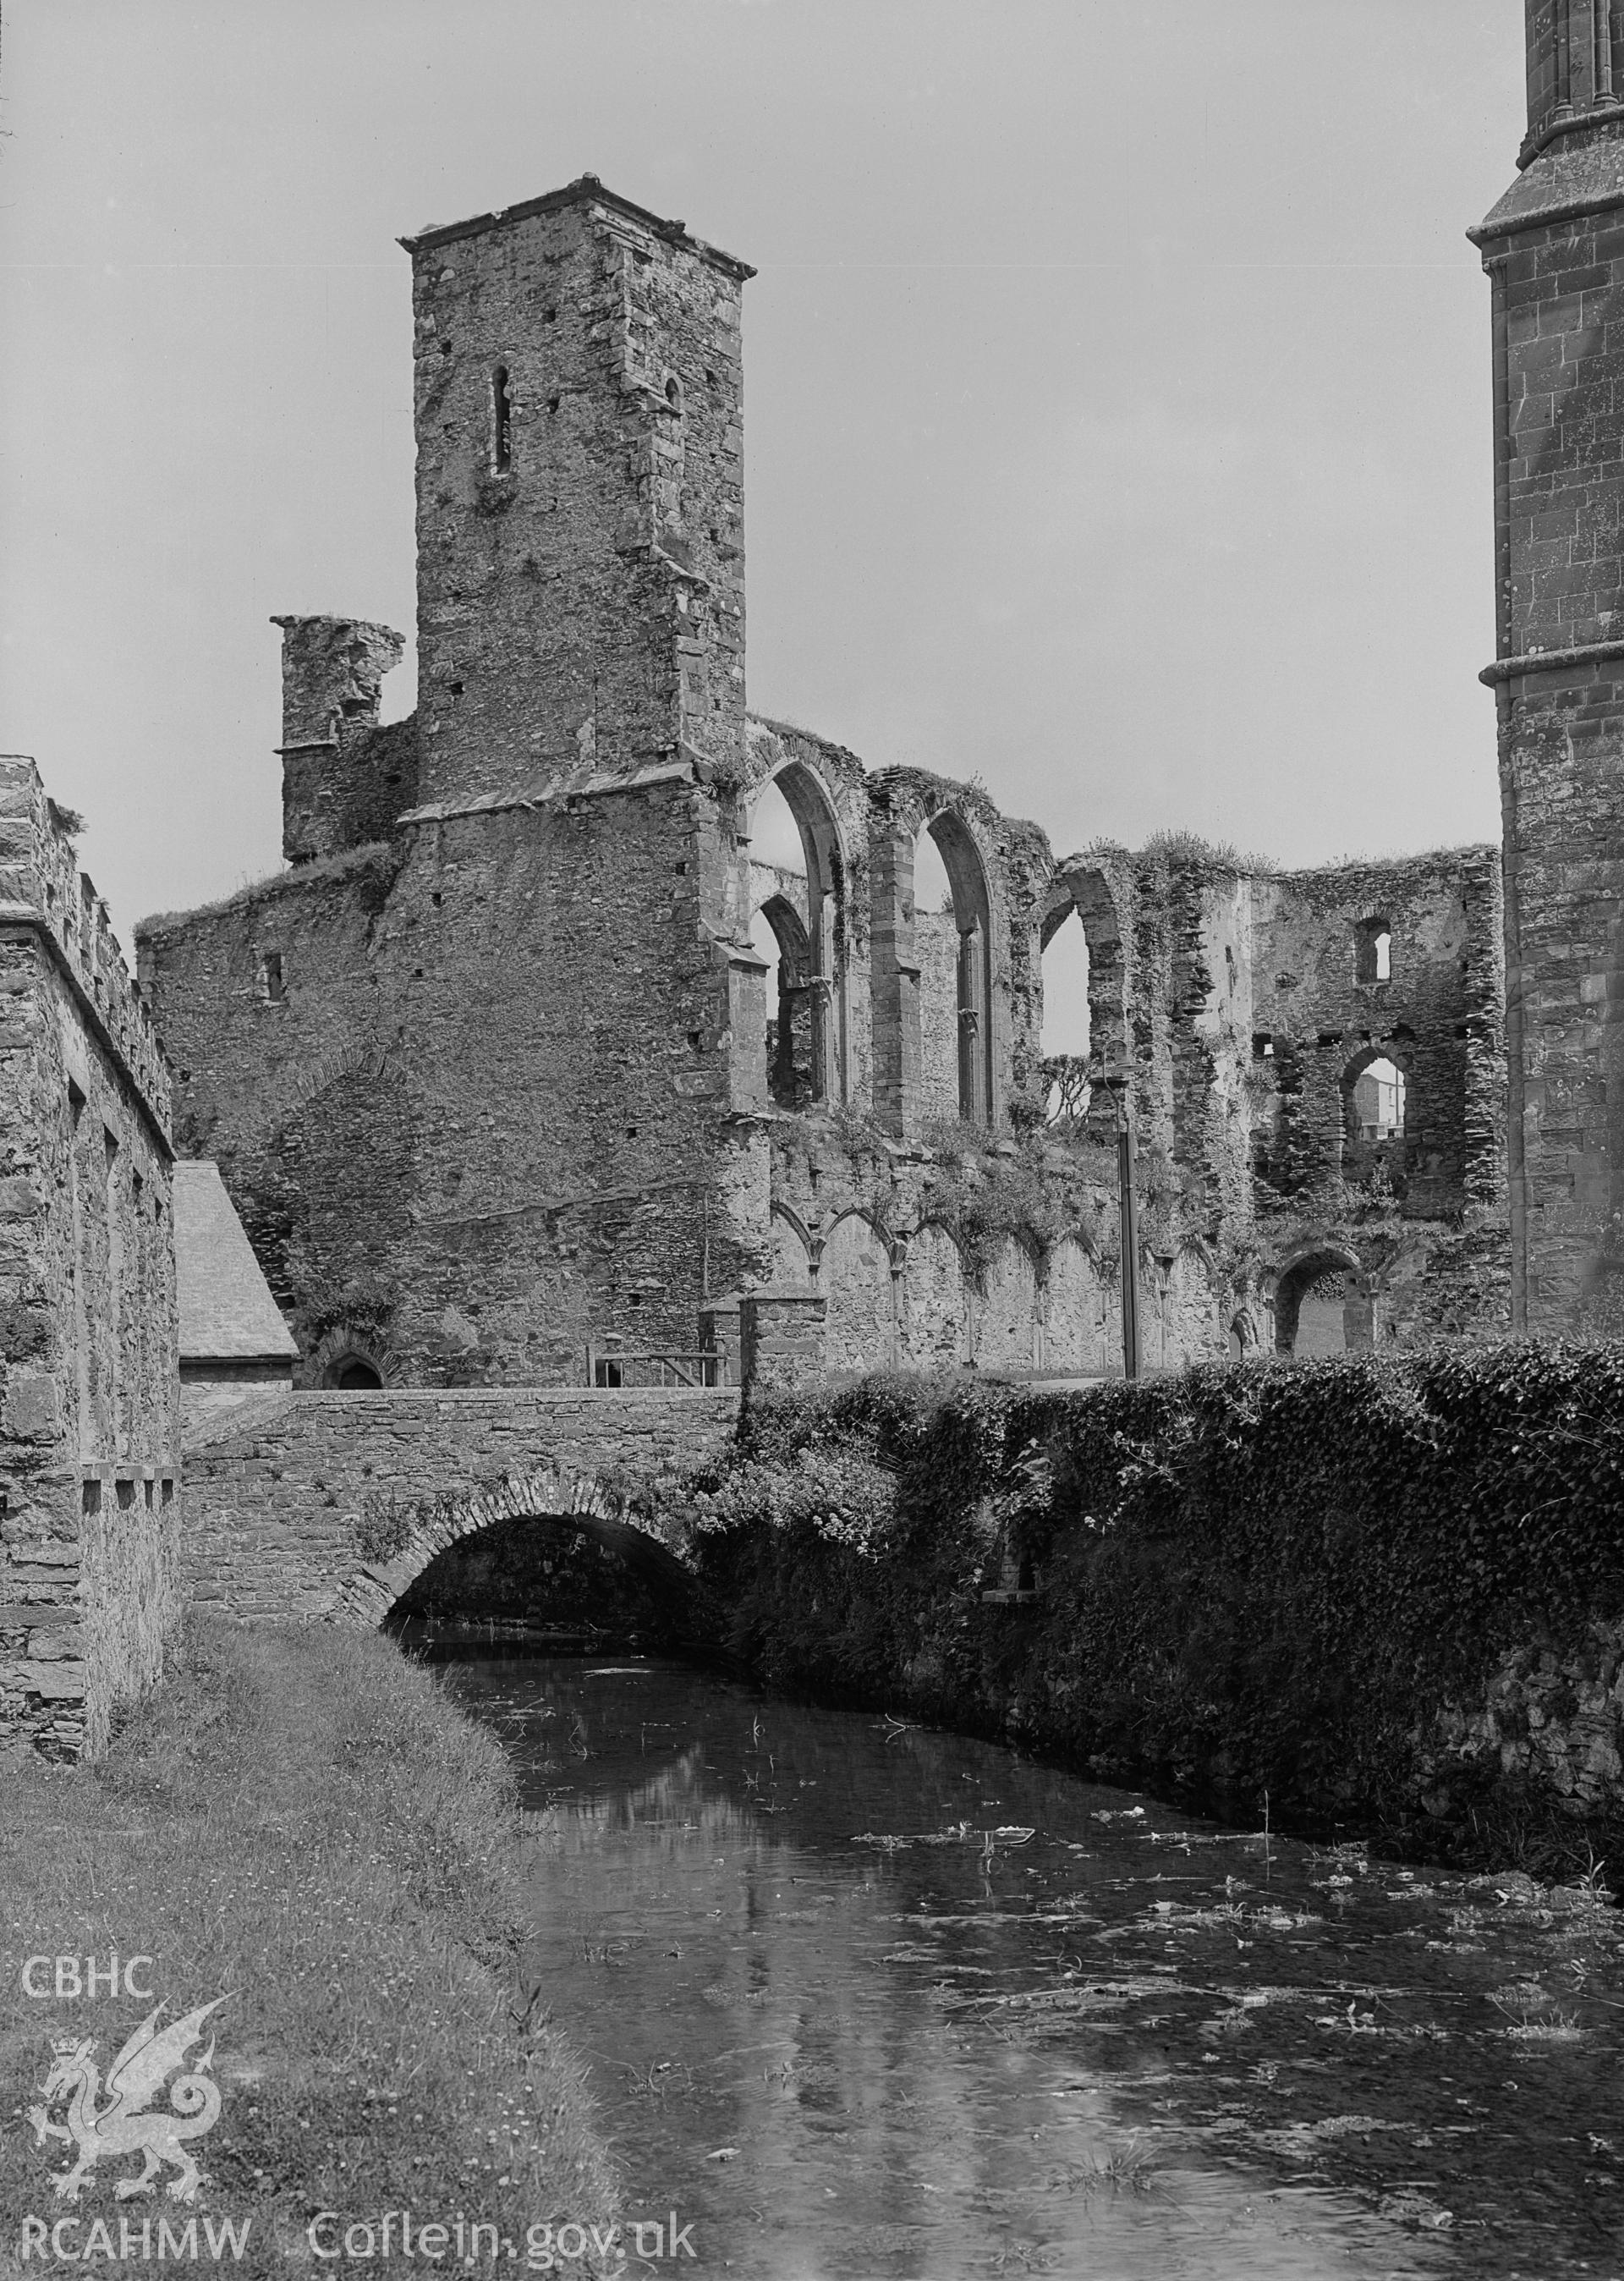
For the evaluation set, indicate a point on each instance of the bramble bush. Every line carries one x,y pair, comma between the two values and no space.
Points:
1260,1577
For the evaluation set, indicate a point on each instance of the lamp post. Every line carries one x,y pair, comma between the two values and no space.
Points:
1121,1098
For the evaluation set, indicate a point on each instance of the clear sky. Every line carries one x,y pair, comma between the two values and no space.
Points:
1117,383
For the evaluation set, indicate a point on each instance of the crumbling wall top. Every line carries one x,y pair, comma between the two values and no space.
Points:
584,190
42,887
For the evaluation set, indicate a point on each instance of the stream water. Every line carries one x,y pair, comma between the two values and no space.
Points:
869,2000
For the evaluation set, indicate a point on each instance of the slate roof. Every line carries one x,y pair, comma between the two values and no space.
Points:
227,1310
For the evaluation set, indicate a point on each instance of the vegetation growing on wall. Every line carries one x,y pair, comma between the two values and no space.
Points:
1250,1579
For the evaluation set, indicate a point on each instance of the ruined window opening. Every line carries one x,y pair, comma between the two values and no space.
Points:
1066,1035
90,1497
271,976
607,1371
167,1492
797,870
126,1494
1373,951
501,422
1262,1047
674,393
552,406
946,851
1376,1103
147,1487
779,937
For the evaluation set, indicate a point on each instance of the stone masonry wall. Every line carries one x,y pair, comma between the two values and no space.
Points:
89,1366
498,1091
479,1128
1435,1018
344,778
581,536
1554,251
275,1503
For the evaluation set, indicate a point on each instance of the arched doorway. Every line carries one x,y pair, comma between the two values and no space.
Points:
353,1373
1323,1306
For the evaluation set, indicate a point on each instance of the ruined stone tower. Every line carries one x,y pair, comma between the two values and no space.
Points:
1554,251
545,1060
579,495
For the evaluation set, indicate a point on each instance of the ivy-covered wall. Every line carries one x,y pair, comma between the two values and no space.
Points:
1388,1592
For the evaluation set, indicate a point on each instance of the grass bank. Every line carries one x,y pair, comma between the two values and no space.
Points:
299,1820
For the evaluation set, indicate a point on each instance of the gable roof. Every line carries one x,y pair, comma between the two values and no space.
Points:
227,1310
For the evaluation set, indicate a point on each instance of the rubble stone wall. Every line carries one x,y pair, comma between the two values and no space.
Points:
277,1505
498,1091
1553,249
89,1442
579,467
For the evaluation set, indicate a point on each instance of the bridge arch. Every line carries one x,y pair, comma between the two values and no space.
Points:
435,1524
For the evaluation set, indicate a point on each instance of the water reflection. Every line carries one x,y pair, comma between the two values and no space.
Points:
868,2000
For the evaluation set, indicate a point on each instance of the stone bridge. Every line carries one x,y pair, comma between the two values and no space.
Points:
329,1505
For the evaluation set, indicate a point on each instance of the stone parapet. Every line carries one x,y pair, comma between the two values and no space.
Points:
42,887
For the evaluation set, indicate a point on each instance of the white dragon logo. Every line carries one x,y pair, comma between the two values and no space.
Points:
121,2127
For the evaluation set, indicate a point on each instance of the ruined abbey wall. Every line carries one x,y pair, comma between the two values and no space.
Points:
88,1364
498,1080
477,1129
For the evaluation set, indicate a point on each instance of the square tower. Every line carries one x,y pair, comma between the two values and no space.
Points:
1554,251
580,497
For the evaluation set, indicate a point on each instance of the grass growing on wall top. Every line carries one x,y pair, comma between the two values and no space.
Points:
302,1819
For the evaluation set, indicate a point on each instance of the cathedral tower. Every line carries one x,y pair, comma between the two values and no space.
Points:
580,497
1554,251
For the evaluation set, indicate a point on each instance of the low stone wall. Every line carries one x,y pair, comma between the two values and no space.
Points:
279,1510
